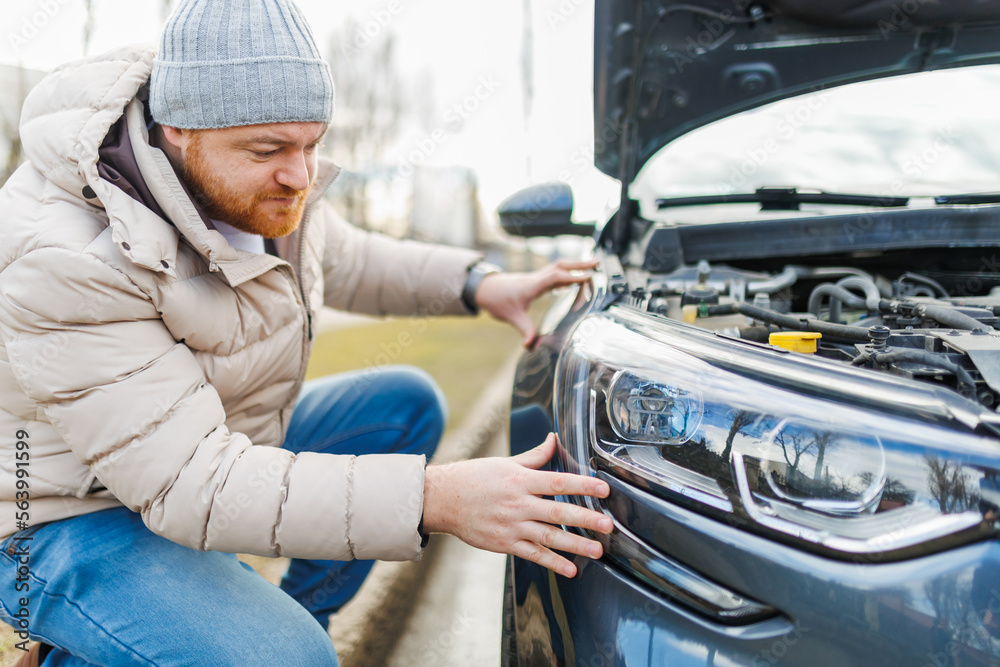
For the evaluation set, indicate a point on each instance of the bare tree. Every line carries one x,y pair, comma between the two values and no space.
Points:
370,104
741,419
528,75
799,444
949,485
10,120
823,438
88,24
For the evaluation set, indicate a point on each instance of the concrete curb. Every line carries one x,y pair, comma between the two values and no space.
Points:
366,630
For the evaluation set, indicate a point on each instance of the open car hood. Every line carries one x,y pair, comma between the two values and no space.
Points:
701,60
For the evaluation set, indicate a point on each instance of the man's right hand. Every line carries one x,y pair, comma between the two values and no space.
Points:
496,504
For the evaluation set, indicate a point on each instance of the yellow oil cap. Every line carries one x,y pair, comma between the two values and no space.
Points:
796,341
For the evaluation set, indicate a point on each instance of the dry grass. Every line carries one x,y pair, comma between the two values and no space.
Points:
461,354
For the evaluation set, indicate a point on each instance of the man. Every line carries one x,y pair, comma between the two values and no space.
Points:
164,254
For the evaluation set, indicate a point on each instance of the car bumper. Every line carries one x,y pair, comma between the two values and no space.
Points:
938,611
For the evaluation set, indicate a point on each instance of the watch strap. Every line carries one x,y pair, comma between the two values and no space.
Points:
477,272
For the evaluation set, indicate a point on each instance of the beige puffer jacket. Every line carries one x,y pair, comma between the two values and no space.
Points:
155,366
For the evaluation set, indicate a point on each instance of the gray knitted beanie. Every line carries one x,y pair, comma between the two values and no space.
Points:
224,63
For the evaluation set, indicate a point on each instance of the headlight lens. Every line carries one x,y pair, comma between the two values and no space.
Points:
701,429
643,410
820,466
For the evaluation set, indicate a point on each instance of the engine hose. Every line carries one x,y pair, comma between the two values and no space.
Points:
866,285
943,315
837,296
934,285
950,317
917,357
830,329
757,334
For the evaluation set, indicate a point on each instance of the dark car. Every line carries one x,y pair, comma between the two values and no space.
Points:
787,367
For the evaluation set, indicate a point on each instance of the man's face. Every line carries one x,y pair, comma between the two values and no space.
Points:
255,178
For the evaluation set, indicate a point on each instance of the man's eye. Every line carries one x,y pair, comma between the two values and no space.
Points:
263,155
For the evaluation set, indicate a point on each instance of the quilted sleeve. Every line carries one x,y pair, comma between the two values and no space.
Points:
371,273
89,348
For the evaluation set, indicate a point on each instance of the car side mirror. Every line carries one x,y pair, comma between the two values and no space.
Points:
541,210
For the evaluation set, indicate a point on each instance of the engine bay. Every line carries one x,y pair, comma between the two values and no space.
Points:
929,315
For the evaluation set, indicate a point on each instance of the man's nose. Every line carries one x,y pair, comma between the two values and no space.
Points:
294,173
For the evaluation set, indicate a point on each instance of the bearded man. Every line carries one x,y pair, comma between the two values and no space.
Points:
164,253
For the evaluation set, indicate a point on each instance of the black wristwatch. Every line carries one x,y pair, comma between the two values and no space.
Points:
477,272
424,537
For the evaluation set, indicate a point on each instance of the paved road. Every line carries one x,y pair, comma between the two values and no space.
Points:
456,620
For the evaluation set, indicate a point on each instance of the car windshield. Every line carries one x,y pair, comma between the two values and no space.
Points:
920,135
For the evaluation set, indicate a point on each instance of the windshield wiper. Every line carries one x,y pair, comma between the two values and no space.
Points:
785,199
968,200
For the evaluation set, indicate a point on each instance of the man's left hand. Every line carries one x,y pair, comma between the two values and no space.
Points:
506,296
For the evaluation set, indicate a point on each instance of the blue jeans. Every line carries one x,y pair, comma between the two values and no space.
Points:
105,590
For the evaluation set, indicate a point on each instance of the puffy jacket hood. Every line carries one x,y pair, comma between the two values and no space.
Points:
67,115
65,121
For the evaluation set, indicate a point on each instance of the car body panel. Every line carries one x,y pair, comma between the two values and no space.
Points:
862,611
932,601
702,61
884,614
837,613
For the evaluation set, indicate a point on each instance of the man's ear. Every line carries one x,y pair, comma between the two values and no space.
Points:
176,137
172,141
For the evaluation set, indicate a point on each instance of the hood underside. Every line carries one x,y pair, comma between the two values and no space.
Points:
700,61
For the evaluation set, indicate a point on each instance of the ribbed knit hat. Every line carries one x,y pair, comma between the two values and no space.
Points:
224,63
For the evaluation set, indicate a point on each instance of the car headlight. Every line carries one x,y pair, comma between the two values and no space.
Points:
784,446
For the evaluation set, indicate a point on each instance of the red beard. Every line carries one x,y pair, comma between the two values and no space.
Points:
248,212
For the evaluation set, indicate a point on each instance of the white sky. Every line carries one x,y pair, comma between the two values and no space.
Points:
456,41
